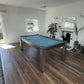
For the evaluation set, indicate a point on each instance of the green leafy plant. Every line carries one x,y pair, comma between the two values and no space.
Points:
52,29
77,30
1,40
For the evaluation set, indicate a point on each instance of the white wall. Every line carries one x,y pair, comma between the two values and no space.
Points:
0,28
66,11
14,22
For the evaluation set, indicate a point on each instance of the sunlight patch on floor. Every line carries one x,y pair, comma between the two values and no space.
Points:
6,46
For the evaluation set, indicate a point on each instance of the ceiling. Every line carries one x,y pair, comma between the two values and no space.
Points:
39,4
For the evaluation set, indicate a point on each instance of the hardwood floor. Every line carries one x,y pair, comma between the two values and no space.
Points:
23,67
1,73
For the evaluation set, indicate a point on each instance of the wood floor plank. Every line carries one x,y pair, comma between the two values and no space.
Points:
23,67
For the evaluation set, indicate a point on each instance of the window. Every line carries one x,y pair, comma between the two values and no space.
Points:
68,22
68,25
31,25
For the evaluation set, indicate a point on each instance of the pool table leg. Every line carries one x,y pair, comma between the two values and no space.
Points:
64,52
21,45
42,60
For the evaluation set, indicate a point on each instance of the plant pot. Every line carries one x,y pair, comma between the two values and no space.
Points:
78,50
53,36
76,42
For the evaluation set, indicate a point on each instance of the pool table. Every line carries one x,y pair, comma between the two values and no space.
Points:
42,43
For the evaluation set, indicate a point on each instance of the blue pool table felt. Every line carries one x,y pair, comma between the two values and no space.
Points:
42,40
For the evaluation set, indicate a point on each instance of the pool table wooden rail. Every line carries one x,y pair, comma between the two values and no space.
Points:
42,50
22,39
38,46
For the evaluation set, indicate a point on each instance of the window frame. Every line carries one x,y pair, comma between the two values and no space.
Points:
35,21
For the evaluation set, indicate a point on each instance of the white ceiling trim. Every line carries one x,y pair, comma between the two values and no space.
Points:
39,4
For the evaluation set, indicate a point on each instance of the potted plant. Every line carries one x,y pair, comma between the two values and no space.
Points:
52,29
76,32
